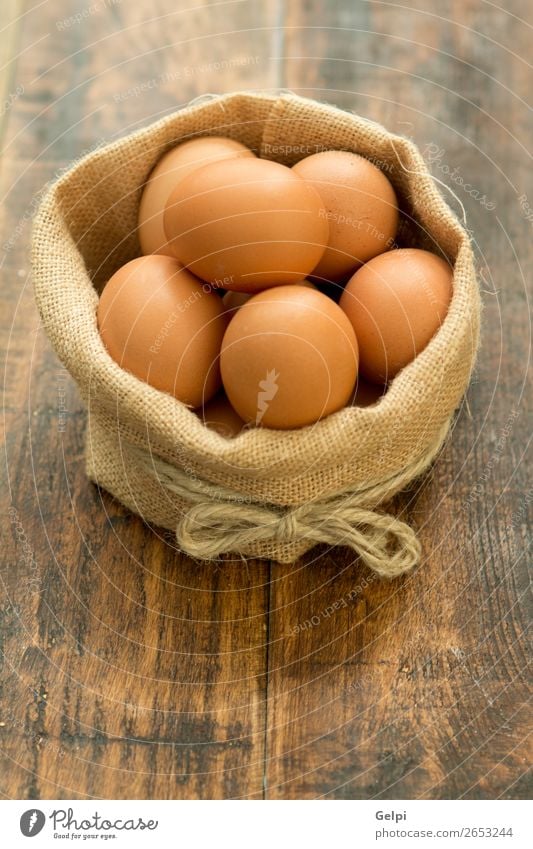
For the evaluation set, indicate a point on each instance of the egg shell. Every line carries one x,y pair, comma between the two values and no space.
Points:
163,325
396,303
361,207
171,168
246,224
288,358
234,300
219,415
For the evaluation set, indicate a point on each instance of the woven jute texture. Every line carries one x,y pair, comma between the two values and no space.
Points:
265,493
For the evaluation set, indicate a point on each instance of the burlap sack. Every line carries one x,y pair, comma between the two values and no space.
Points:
265,493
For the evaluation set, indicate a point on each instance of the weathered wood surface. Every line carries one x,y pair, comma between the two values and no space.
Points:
127,671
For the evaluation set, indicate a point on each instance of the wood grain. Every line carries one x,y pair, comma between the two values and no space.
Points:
127,670
418,688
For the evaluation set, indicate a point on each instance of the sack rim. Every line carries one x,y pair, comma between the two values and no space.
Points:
136,395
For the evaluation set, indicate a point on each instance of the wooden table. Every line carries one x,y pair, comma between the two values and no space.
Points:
128,671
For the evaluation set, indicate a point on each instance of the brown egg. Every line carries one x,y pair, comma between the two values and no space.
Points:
171,168
366,394
234,300
164,326
289,357
246,224
361,208
219,415
396,303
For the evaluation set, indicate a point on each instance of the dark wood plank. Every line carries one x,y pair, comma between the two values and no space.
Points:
418,688
128,671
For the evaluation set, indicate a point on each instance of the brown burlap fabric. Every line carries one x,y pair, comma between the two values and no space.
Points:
154,454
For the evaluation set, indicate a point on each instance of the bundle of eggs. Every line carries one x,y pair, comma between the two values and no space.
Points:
242,261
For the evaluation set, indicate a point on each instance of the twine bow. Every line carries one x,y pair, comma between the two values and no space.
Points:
217,521
386,544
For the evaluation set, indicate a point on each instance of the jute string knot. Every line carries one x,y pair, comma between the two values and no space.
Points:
218,520
386,544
